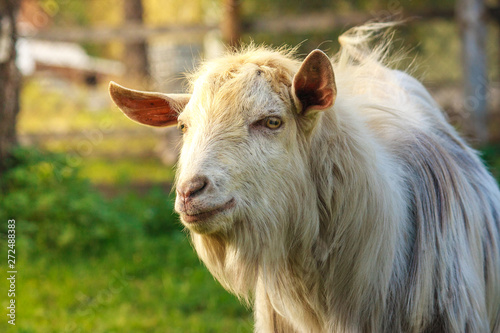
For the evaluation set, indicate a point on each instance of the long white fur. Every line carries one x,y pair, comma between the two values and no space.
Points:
372,216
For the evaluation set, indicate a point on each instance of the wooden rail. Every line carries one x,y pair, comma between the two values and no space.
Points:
294,24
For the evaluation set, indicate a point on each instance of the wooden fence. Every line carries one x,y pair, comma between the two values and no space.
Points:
472,17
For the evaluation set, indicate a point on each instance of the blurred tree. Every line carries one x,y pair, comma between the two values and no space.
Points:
231,23
471,17
135,56
10,80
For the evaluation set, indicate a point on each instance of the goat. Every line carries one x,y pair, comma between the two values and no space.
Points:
332,193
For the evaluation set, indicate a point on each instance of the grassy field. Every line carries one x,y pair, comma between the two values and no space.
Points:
156,285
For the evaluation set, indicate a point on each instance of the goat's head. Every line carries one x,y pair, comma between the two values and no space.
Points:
244,128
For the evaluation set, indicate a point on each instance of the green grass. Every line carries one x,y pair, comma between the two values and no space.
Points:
105,171
491,156
156,285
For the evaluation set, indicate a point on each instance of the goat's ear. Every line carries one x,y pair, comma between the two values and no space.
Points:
148,108
314,86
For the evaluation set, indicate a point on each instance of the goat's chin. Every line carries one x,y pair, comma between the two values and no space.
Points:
219,223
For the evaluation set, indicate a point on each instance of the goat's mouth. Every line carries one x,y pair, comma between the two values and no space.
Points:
193,218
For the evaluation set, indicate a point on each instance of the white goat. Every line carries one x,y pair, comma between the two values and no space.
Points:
334,203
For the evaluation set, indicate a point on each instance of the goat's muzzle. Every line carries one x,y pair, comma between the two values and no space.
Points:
198,200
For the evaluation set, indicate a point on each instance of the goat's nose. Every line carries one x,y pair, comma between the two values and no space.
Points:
192,187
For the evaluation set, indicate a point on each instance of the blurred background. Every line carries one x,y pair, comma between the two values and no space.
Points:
98,247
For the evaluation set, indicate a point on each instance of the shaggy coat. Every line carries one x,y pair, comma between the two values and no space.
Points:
332,194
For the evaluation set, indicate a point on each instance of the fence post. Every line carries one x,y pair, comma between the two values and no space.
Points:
471,17
135,55
231,23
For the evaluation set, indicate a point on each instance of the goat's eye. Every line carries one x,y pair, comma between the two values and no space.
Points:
182,127
273,122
